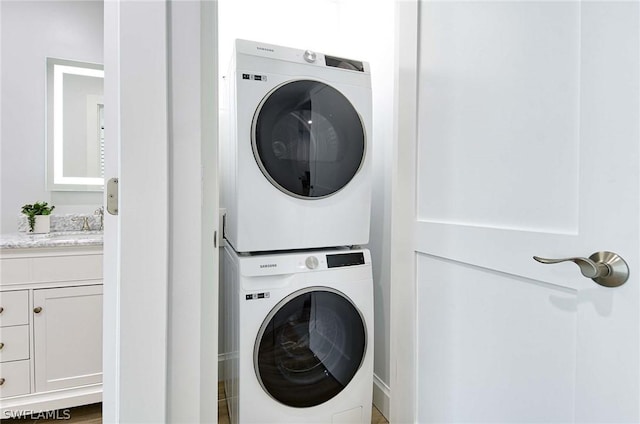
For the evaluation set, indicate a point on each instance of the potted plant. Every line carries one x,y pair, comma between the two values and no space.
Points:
38,217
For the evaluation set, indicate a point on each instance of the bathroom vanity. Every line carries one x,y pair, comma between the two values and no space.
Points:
50,321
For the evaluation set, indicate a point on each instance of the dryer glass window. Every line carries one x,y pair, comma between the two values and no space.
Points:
310,347
308,139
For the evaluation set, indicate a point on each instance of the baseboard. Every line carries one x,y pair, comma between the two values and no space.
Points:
34,403
381,396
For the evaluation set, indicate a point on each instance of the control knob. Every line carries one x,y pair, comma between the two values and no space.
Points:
309,56
311,262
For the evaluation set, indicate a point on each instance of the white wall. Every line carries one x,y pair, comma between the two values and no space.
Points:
352,29
311,24
31,31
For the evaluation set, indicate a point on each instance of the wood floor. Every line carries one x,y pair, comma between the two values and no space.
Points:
92,414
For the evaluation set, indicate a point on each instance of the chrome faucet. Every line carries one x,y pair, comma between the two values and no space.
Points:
85,222
100,212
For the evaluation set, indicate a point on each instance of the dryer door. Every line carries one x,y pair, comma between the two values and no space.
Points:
309,347
308,139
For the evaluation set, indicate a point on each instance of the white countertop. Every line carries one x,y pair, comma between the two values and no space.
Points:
24,240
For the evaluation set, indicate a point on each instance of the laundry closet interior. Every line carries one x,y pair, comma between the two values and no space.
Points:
305,148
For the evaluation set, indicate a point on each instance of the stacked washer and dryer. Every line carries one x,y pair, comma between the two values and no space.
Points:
297,289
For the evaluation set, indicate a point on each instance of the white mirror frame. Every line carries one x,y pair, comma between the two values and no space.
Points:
55,71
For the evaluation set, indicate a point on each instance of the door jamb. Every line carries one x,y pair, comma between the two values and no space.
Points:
403,332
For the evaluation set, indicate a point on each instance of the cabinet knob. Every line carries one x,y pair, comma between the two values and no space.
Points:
1,309
1,345
37,309
1,381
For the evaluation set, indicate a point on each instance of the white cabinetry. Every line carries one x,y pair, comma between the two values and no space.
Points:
14,343
67,336
50,328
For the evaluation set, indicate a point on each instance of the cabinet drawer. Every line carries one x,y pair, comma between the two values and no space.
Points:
14,270
14,377
14,343
14,308
67,268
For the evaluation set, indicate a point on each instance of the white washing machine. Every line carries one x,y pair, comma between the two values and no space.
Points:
299,327
296,152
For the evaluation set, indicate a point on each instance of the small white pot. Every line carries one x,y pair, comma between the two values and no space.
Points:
43,224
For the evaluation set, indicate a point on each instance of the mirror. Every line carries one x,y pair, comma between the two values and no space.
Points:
75,125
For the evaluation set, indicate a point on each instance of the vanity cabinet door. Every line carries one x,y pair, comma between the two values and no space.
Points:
67,325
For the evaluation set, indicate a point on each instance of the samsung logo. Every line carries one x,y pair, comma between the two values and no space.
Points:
269,266
265,49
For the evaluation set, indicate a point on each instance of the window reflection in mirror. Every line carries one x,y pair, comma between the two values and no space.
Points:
75,125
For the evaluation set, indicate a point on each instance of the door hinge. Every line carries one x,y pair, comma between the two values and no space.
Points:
112,196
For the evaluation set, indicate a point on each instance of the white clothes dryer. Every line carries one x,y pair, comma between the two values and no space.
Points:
299,327
296,153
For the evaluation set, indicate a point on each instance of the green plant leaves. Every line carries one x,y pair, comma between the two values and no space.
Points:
38,208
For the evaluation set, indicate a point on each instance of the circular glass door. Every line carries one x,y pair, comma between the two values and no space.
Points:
308,139
309,347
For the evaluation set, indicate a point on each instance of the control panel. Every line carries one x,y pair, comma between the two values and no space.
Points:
311,261
345,259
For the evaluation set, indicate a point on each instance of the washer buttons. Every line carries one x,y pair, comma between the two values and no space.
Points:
311,262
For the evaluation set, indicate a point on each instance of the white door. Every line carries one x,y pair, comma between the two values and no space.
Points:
527,123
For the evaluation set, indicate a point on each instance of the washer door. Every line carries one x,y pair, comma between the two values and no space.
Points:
309,347
308,139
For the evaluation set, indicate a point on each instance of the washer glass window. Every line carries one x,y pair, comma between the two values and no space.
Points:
310,347
308,139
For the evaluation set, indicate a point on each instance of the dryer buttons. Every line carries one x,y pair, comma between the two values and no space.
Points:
309,56
254,296
254,77
311,262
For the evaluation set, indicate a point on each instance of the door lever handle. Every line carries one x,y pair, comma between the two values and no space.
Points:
605,268
589,268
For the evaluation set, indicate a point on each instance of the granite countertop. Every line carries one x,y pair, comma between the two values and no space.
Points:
23,240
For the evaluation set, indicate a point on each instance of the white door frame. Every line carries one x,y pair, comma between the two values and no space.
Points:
403,217
193,203
160,326
136,294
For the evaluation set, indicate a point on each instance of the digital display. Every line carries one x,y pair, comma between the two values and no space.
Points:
338,62
345,259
